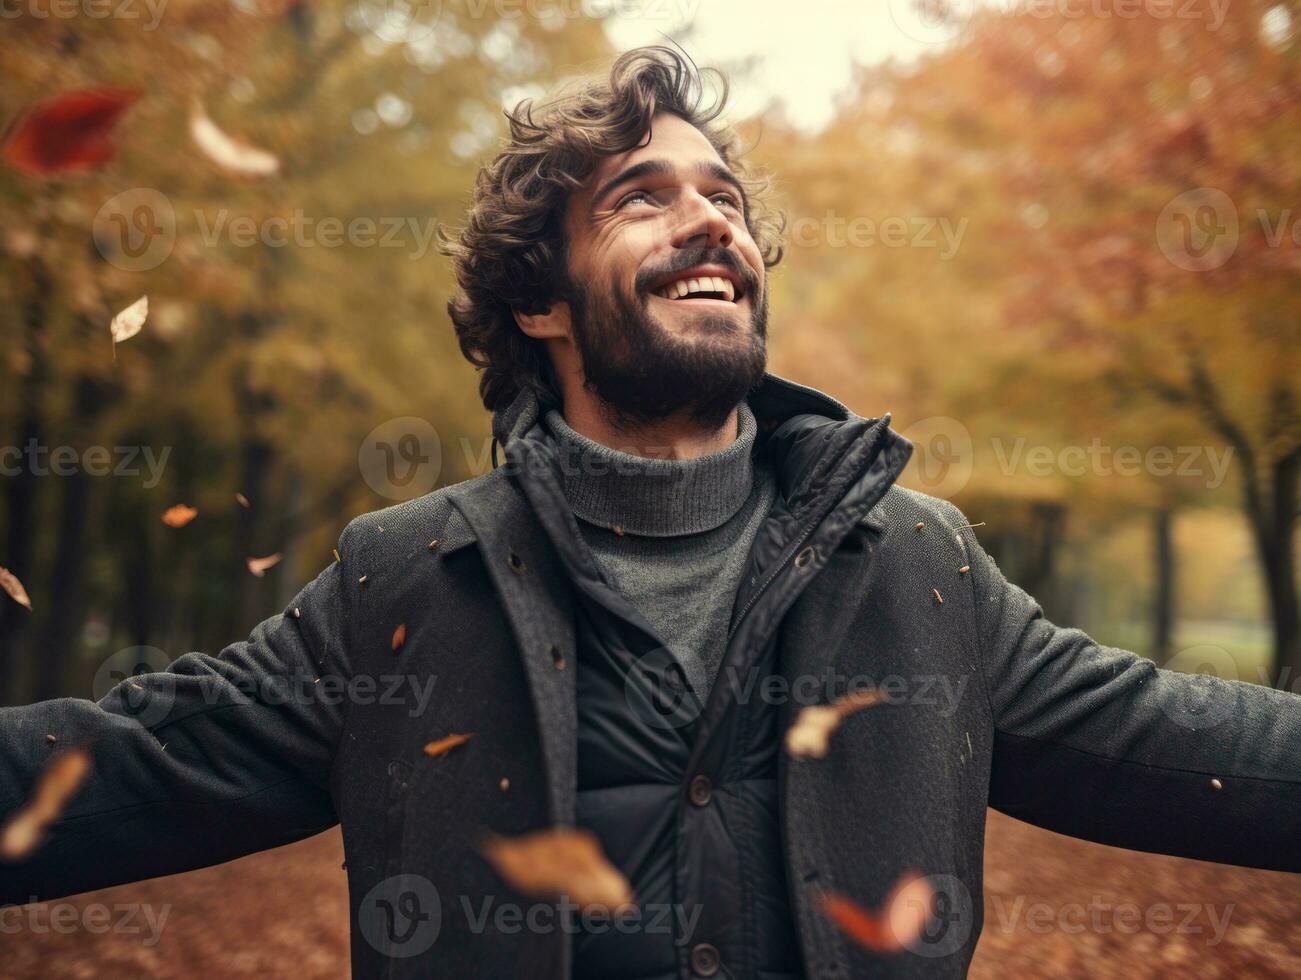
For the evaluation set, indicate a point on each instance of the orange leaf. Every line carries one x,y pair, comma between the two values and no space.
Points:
904,915
58,782
444,745
178,515
259,566
559,861
810,734
9,582
399,636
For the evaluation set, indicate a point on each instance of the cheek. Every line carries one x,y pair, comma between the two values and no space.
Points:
628,247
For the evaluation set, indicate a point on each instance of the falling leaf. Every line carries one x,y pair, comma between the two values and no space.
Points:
178,515
444,745
241,500
128,323
227,152
399,636
259,566
66,133
812,729
900,922
560,861
9,582
59,781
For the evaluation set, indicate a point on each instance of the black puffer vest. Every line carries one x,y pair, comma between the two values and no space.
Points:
684,795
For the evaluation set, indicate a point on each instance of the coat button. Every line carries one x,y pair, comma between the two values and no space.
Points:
700,792
705,960
804,557
515,562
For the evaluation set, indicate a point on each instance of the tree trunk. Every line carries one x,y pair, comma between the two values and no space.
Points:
1163,601
20,491
65,612
1274,520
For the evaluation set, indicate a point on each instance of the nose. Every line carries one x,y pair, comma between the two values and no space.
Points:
699,223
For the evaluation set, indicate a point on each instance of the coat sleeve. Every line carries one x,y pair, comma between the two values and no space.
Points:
211,759
1100,744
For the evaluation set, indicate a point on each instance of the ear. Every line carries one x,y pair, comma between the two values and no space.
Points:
553,323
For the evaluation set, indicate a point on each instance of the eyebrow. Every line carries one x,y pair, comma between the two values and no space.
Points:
662,168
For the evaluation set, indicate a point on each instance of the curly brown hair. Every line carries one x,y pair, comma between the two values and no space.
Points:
510,253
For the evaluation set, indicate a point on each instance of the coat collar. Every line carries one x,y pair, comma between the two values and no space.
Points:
773,400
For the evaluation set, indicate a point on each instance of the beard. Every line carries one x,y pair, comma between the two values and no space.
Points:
643,372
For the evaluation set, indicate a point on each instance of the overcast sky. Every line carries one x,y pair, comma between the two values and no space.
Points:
805,49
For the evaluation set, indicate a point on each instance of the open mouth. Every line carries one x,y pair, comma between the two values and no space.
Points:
694,287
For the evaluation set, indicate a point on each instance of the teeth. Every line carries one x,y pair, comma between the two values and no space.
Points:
700,284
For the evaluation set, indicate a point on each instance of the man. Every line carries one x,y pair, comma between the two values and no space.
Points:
680,553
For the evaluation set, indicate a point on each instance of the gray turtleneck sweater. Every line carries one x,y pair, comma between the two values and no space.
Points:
672,534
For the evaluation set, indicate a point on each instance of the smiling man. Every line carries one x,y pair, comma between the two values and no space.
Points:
681,553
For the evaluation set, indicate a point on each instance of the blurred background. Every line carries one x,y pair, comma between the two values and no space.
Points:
1060,240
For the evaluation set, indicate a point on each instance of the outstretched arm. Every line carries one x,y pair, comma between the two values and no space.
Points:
214,758
1100,744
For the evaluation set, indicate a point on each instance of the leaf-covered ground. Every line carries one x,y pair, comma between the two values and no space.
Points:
1051,910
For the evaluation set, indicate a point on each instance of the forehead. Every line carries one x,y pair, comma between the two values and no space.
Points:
672,138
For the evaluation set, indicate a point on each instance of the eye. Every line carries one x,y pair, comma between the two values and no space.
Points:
725,199
630,197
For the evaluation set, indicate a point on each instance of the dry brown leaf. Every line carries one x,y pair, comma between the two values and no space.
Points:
241,500
810,734
229,153
178,515
9,582
25,830
560,861
444,745
259,566
399,636
129,322
897,926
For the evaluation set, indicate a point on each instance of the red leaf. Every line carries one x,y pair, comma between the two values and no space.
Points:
67,132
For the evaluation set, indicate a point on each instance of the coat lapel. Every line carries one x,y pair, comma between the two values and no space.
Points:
539,608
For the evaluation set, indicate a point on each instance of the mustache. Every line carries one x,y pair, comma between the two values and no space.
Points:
689,257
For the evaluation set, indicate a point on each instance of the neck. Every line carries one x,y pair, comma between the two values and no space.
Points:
649,495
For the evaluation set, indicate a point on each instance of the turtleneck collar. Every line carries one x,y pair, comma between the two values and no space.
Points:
654,497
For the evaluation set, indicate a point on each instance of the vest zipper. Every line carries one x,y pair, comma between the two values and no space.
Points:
772,576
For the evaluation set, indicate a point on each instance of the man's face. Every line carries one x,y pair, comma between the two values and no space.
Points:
667,297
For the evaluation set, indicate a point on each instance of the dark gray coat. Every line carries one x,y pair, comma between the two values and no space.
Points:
316,719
